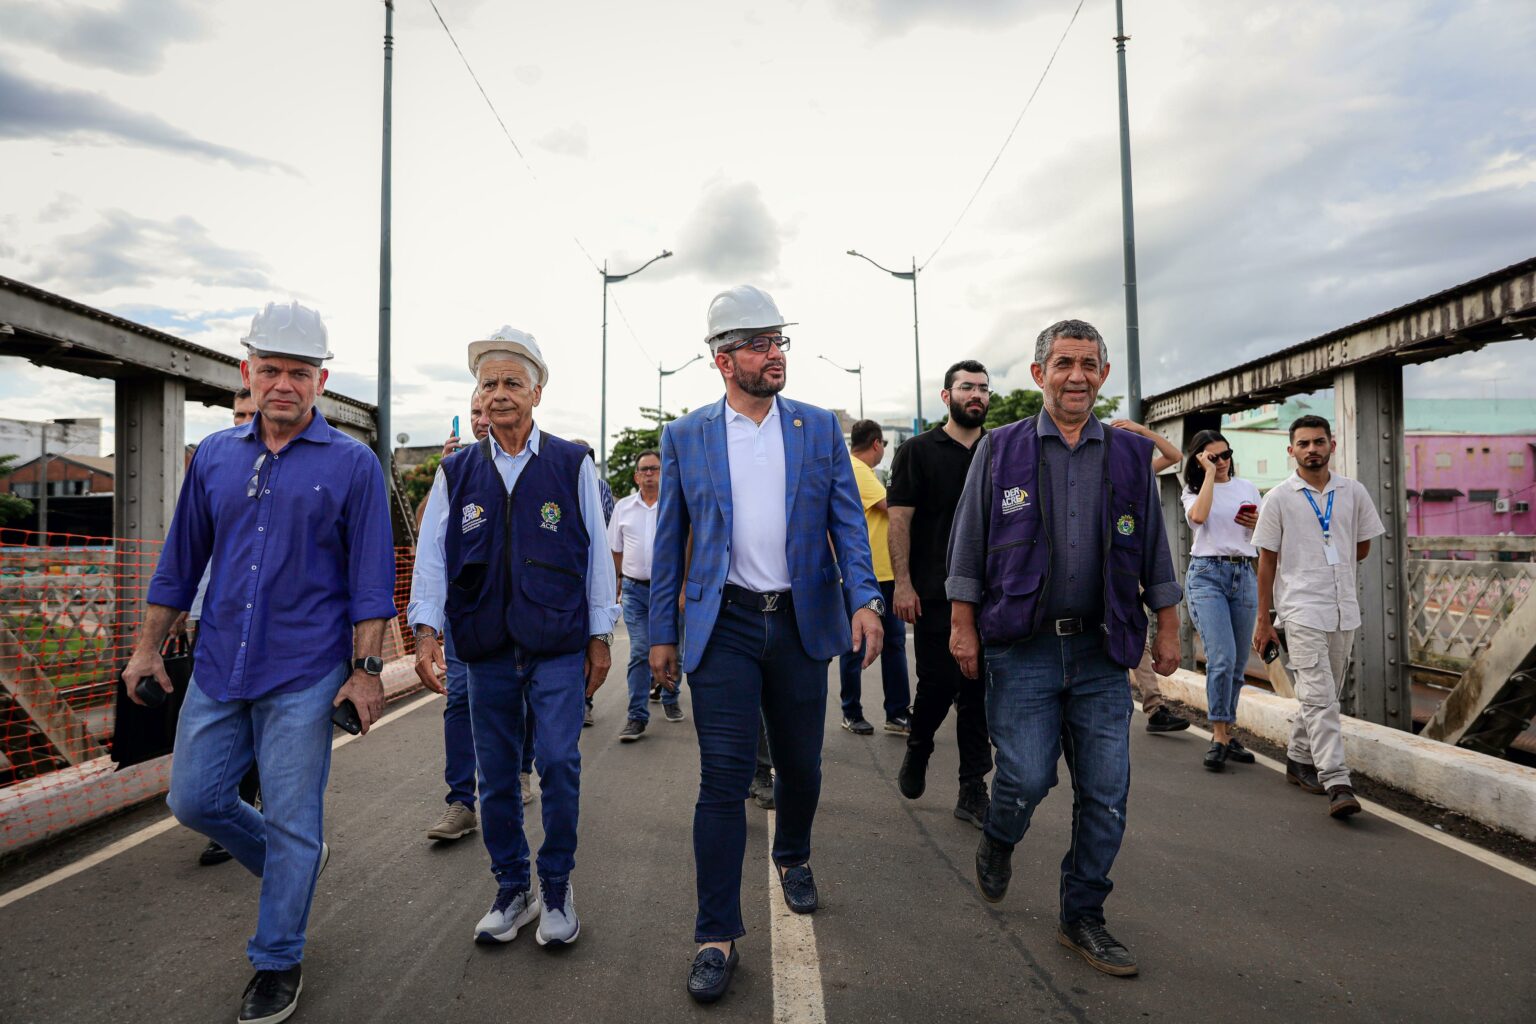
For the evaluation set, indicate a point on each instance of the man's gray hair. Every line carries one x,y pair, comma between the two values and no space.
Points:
1079,329
503,355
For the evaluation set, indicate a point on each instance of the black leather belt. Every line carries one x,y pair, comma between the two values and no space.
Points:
773,601
631,579
1072,627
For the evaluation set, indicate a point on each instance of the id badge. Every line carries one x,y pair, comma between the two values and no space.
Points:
1331,553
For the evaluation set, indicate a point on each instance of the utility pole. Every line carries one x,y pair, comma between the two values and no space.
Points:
917,352
1127,215
382,439
602,430
42,487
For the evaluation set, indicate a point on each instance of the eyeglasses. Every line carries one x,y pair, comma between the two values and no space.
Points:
648,469
762,343
967,389
1225,456
255,484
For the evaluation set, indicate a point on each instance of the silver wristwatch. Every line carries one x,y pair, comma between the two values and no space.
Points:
877,606
606,638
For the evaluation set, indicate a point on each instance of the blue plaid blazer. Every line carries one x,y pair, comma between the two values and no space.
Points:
821,503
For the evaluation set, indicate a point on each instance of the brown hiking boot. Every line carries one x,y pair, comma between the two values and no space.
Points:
1342,802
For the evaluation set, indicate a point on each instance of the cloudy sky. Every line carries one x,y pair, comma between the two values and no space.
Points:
1298,165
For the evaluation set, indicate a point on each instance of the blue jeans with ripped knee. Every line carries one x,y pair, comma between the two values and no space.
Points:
1049,696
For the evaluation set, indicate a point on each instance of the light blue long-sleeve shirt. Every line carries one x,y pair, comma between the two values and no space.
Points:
429,580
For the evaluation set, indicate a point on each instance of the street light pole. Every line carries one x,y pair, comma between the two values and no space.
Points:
42,493
602,440
858,370
917,351
1132,320
660,375
381,442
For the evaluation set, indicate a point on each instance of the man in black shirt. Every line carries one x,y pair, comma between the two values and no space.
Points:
926,479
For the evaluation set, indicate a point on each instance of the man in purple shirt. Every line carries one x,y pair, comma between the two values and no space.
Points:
291,515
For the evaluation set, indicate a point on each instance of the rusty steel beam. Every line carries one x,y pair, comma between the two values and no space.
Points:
1495,307
1493,701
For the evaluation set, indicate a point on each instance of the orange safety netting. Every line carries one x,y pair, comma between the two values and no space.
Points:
69,616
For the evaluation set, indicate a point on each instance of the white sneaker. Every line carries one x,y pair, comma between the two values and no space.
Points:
525,780
509,913
559,926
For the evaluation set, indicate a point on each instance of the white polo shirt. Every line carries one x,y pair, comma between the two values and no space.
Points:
632,533
1309,591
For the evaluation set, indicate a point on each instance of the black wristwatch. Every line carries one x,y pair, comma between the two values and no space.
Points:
372,666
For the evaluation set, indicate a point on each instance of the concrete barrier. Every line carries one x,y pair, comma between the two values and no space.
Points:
1496,793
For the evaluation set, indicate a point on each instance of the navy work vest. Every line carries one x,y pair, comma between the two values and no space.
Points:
1018,569
516,563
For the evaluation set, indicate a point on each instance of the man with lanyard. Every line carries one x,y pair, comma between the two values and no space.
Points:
512,557
927,477
780,554
1313,529
631,532
291,515
1058,542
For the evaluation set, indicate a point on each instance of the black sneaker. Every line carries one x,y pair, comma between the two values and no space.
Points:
973,803
1239,753
656,694
1163,720
271,996
672,712
913,777
213,854
633,730
1303,775
1091,941
993,868
762,791
858,726
901,725
1215,757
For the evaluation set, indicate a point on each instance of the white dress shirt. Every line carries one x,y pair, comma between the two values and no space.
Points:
1308,590
429,583
759,522
632,533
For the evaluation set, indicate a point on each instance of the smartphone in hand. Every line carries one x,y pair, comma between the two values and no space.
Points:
1246,508
455,427
345,715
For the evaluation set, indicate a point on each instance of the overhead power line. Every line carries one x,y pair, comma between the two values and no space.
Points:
1016,121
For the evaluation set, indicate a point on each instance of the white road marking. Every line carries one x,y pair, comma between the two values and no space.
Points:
162,826
797,997
1461,846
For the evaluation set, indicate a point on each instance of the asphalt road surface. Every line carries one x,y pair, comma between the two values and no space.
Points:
1242,900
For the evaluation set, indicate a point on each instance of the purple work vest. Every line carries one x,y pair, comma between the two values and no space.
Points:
1018,572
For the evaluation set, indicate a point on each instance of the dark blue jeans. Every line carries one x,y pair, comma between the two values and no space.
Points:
1049,696
458,738
754,669
893,667
636,602
502,688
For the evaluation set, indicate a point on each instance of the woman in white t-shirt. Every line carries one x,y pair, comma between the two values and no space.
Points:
1222,585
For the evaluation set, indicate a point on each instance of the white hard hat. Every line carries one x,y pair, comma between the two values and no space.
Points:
743,307
507,338
288,329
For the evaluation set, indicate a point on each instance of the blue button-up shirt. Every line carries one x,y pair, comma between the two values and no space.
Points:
298,551
429,580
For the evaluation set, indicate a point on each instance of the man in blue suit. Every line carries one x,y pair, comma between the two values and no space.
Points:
763,483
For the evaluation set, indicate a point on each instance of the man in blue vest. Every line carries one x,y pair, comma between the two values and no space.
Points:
780,557
513,554
1057,543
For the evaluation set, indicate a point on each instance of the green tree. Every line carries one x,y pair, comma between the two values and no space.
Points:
1022,403
418,480
11,507
627,446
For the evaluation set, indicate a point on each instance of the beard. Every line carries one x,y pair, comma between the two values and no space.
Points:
757,384
967,418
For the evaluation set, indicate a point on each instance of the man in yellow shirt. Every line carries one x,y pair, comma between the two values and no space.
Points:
868,444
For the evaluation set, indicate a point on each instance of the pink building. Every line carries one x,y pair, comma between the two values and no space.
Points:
1471,485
